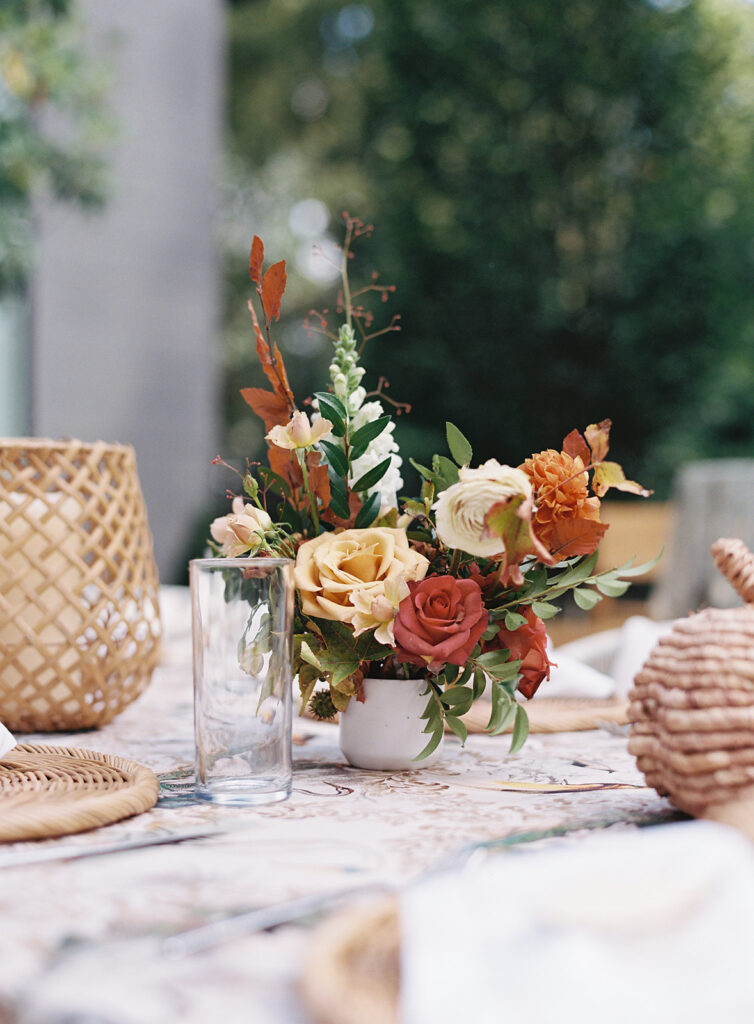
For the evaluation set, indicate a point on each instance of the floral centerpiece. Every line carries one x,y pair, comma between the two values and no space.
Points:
453,585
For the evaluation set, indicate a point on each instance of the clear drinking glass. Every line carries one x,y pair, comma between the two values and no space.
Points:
242,617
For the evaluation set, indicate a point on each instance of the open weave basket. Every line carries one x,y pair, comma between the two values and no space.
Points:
79,615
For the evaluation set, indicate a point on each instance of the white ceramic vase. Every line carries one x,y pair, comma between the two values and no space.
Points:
385,732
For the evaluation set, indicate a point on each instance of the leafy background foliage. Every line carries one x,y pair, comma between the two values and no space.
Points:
44,71
562,193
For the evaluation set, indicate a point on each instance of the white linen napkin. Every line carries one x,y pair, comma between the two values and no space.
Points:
7,742
603,664
652,925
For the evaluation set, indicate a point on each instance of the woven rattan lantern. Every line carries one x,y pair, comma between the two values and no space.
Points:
79,614
692,706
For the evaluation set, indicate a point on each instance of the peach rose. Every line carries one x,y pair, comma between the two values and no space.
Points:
299,432
529,644
242,531
335,567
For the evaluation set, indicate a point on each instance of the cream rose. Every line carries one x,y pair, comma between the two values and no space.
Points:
461,509
242,531
334,567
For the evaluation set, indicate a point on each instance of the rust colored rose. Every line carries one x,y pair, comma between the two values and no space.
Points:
529,644
440,622
566,520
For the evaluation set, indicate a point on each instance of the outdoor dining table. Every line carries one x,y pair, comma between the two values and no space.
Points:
88,922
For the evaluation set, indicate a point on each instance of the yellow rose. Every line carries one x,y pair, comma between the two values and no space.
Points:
334,566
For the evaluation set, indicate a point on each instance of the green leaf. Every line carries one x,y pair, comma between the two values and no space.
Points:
465,675
493,659
506,673
447,470
433,743
368,511
341,652
274,482
544,609
290,517
585,598
500,715
513,620
520,730
576,573
459,447
611,588
458,727
460,697
372,477
480,683
333,410
338,500
336,457
630,570
430,477
505,719
490,632
308,655
422,470
359,441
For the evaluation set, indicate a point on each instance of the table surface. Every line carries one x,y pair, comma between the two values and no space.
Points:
81,938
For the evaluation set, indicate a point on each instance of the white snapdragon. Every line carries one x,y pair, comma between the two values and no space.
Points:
346,375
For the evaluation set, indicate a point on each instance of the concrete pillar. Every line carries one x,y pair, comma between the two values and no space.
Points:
125,302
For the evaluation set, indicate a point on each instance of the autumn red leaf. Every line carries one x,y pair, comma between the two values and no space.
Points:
274,370
572,537
575,446
511,520
285,464
256,259
319,478
270,407
598,439
280,365
273,287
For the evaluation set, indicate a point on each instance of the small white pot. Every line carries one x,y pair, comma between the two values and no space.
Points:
385,732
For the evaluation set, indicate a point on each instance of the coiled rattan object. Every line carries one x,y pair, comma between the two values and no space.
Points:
55,791
692,705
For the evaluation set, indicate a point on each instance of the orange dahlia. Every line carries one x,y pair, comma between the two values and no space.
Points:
566,520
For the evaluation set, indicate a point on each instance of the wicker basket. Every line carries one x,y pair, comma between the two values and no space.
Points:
79,614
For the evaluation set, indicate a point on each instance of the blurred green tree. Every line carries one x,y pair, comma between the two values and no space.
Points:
562,192
44,70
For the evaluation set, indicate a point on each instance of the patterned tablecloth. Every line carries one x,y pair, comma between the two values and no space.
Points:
81,939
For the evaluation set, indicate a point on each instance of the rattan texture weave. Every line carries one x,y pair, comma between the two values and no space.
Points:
79,614
50,791
692,705
351,972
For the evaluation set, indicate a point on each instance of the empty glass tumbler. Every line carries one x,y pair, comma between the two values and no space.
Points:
242,617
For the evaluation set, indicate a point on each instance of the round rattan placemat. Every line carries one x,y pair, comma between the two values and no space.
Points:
55,791
552,714
351,973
